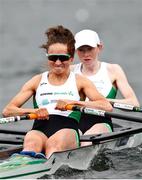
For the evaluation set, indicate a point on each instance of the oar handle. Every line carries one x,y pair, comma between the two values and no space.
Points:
18,118
102,113
73,107
126,107
32,116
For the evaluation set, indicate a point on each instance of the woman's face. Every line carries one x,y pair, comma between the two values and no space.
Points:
88,54
58,58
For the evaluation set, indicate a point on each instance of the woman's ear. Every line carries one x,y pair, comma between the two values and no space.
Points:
71,59
101,46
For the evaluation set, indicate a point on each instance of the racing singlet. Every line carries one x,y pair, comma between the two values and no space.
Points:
47,95
101,80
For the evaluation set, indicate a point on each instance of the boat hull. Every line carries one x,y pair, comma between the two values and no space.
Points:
80,158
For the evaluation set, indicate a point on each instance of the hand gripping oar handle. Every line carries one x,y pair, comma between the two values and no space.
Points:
102,113
126,107
18,118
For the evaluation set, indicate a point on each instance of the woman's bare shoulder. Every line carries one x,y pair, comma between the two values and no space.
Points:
37,77
82,80
33,82
113,68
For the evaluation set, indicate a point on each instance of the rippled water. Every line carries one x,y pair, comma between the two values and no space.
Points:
122,164
126,164
22,27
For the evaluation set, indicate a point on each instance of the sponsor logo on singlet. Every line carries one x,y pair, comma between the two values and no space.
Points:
47,97
70,93
46,101
44,83
44,94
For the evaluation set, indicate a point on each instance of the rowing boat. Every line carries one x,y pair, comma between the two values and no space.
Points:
19,166
22,166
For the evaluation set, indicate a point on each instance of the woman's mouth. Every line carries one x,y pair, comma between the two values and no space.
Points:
87,59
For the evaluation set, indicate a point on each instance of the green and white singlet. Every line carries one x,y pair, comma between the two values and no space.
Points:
101,80
105,87
47,95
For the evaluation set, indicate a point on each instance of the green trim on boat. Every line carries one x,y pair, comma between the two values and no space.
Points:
25,174
17,161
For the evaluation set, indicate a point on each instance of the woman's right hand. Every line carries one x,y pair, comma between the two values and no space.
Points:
42,113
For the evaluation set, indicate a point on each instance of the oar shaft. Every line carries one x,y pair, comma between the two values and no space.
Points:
4,131
126,107
18,118
123,117
12,142
109,136
104,113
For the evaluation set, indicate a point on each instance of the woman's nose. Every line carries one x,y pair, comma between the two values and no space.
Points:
58,61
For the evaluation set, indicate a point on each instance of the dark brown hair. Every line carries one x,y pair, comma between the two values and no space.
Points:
60,34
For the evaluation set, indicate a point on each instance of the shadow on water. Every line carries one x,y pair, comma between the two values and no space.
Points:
65,172
126,163
99,163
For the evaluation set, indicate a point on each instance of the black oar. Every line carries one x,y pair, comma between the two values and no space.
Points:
127,107
11,142
87,111
102,113
18,118
12,132
100,138
95,139
9,138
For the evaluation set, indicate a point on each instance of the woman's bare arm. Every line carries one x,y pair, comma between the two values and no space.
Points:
26,92
118,76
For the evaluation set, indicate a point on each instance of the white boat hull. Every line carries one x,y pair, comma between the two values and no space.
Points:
79,158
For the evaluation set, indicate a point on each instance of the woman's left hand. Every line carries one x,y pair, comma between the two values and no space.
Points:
61,104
